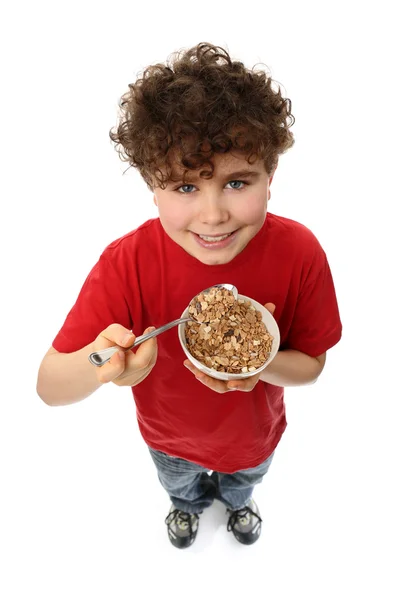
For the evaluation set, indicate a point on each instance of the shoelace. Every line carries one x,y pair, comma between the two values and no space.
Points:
239,515
183,520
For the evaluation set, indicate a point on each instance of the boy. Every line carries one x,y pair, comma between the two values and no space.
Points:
205,133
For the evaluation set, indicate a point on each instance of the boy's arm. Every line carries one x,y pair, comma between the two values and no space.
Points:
289,368
293,368
66,378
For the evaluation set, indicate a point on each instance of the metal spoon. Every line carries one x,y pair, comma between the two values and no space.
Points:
100,357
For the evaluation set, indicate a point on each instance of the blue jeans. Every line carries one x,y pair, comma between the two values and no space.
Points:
191,489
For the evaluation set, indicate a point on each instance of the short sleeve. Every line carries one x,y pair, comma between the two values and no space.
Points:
316,324
100,303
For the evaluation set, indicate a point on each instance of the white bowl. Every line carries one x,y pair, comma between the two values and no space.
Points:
271,326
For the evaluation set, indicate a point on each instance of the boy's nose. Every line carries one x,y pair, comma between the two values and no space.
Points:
213,211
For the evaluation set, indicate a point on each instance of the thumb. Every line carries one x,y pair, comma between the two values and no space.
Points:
270,307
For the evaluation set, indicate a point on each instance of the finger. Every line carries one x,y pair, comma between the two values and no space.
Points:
214,384
116,334
139,376
270,307
145,355
140,345
243,385
112,368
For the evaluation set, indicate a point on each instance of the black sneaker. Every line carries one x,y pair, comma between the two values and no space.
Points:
182,527
245,523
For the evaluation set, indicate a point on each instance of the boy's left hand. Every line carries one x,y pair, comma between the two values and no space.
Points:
244,385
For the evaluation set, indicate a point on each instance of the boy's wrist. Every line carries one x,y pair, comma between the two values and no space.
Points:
292,368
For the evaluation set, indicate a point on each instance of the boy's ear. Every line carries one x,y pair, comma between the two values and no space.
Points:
155,200
270,178
272,174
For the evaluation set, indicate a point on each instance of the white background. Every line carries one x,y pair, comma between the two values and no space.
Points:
81,508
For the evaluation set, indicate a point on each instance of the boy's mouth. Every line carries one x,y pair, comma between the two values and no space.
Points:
214,238
218,240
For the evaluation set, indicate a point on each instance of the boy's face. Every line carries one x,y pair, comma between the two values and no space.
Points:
199,214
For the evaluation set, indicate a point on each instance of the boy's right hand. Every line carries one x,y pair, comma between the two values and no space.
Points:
131,368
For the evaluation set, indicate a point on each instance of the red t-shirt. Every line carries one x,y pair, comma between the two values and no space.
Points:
144,278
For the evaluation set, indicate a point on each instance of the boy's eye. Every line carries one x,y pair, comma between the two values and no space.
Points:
237,187
183,189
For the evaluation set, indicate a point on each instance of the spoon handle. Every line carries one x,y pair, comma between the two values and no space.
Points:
100,357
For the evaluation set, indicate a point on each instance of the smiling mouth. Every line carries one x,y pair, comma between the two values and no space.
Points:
215,238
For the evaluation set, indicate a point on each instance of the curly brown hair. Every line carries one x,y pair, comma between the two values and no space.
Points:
199,103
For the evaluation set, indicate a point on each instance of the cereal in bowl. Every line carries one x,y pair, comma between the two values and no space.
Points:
228,335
